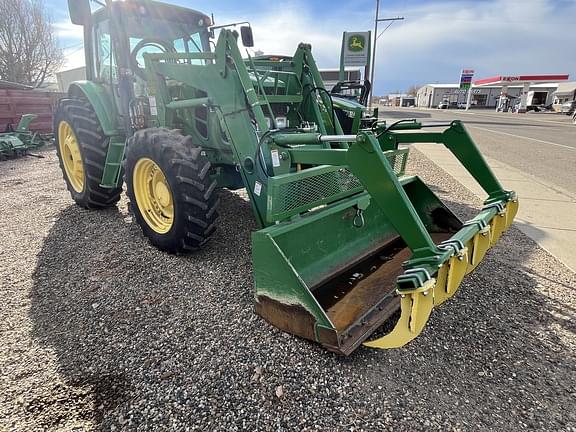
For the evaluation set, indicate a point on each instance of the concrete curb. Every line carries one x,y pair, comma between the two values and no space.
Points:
547,213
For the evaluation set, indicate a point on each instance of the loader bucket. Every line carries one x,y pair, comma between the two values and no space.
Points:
329,278
355,241
352,242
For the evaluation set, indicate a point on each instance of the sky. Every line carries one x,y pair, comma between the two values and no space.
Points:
436,39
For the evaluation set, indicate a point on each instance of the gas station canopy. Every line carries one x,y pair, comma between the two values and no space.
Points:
524,80
503,80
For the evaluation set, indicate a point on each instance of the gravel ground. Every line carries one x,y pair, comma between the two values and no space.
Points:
100,331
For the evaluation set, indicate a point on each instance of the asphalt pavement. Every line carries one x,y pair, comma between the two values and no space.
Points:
541,144
533,153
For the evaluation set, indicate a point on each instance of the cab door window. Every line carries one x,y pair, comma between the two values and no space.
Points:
105,63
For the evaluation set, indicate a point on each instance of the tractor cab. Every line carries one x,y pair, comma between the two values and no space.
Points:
118,36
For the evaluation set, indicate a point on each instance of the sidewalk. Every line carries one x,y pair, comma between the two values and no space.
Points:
547,214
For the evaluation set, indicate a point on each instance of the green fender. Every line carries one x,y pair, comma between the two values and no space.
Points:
347,104
101,100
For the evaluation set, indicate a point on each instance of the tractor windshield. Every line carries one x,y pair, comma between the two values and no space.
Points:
180,29
188,43
178,37
147,27
163,29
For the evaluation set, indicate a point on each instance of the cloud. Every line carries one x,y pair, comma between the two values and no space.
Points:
436,39
70,37
74,58
492,37
280,32
432,44
67,30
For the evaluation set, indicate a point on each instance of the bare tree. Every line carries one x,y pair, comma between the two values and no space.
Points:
29,52
413,90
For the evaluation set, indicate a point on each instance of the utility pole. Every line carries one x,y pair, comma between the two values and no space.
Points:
377,19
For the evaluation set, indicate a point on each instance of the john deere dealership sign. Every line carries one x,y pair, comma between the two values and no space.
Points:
356,43
356,47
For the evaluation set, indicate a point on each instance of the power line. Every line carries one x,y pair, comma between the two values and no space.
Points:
76,45
387,27
75,51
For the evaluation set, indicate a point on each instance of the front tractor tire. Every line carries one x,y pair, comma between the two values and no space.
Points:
82,147
172,196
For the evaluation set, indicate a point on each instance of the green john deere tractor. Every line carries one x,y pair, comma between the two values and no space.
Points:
172,109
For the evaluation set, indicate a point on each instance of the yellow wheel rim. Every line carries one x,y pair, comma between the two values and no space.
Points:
71,157
153,195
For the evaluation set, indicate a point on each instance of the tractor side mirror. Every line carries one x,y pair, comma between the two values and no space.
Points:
80,13
247,36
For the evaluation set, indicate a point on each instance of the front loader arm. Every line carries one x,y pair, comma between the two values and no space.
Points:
434,271
366,160
456,139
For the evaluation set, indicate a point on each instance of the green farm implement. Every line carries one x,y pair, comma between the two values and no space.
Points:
172,109
15,143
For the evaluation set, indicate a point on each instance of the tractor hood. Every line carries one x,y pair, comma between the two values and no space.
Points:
347,104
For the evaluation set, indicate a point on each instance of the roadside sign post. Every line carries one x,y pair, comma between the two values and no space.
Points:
466,84
355,52
468,99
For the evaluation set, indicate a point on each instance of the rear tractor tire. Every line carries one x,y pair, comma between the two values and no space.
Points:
82,147
172,196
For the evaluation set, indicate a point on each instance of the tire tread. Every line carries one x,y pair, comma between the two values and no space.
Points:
93,148
193,190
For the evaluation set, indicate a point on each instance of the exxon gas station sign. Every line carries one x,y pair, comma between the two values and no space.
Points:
466,78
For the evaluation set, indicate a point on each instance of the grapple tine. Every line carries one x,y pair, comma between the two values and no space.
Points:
511,211
480,245
440,294
458,265
450,276
497,227
415,309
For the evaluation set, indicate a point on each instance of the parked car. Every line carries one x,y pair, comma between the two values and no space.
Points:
443,105
535,108
568,107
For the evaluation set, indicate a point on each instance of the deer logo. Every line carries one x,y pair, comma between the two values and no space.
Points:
356,43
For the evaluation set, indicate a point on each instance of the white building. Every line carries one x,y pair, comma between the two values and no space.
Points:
431,95
400,100
67,77
330,76
566,92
